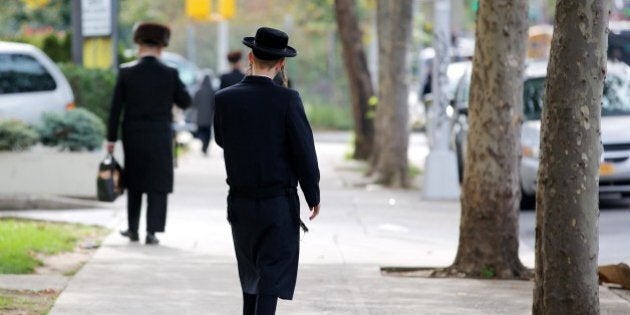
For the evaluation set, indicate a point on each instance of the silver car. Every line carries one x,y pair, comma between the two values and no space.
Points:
30,84
615,166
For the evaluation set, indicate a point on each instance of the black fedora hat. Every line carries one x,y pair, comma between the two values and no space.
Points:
270,44
152,33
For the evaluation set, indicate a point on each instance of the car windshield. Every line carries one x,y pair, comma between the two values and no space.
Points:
615,100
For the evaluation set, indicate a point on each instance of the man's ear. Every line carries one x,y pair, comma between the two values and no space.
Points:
280,64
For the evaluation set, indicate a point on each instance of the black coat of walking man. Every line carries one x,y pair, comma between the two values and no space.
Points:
268,148
235,75
145,92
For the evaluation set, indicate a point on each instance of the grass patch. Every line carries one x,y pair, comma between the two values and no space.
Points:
324,116
20,239
26,302
413,170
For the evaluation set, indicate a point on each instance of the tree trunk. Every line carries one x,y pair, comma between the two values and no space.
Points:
389,158
359,79
567,202
488,241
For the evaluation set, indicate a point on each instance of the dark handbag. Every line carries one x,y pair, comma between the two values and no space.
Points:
109,182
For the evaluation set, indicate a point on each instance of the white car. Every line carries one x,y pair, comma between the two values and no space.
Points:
30,84
614,179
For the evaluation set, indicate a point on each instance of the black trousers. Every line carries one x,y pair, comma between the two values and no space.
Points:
260,304
204,133
156,210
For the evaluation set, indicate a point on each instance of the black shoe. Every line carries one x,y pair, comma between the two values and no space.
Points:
133,236
151,239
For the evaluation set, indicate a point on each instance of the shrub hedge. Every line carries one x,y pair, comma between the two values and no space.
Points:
74,130
92,88
16,135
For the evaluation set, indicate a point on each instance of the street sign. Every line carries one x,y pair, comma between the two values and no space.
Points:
227,9
96,18
199,9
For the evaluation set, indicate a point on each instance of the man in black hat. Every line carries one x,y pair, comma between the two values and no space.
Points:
268,148
146,91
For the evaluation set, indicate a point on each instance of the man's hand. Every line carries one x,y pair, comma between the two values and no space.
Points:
110,147
314,212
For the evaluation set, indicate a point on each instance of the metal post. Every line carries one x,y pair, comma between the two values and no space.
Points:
440,181
223,30
77,36
115,35
191,43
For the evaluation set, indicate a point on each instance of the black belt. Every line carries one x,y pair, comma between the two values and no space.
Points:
265,193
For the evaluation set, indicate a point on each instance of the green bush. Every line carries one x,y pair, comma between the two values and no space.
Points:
16,135
74,130
57,46
324,116
92,88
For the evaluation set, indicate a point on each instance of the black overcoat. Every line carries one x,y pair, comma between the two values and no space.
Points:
231,78
145,92
268,148
203,102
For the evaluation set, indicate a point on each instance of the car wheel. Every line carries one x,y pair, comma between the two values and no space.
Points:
528,202
460,162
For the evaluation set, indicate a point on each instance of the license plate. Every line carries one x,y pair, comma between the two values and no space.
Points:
606,169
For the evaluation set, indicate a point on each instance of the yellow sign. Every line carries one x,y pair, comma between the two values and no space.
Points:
98,53
227,8
199,9
202,10
606,169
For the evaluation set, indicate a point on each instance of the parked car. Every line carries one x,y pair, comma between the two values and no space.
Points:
188,71
30,84
614,178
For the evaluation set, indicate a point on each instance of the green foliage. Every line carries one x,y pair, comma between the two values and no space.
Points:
324,116
487,272
73,130
59,49
17,16
57,46
413,170
92,88
16,135
19,239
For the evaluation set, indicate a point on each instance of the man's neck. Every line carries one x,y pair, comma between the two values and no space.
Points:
269,73
149,52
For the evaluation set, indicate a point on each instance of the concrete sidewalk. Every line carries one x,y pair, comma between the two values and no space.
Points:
359,229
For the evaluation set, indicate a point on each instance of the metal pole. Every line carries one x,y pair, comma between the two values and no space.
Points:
438,119
77,36
441,178
223,30
191,43
115,35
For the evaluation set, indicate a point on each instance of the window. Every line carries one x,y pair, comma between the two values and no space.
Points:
21,73
533,91
616,100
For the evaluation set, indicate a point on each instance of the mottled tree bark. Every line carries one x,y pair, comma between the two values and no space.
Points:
488,241
389,158
567,199
359,79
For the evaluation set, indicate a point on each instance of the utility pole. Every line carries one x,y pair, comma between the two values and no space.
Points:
223,31
441,179
115,35
191,42
77,36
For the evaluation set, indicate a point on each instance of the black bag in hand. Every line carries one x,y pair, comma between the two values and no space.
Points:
109,182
